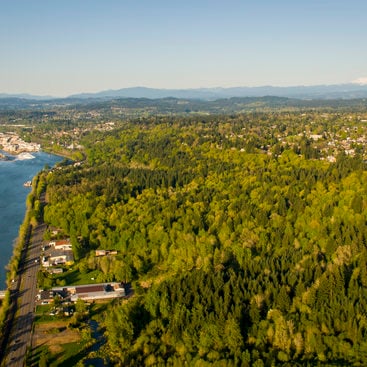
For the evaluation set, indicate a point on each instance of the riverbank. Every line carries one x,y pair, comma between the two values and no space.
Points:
13,196
9,307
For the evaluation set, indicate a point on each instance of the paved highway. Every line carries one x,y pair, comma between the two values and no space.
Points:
21,332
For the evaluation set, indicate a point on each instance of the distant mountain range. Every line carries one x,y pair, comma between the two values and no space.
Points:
340,91
337,91
26,96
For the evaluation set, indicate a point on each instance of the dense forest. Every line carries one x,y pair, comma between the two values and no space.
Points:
245,246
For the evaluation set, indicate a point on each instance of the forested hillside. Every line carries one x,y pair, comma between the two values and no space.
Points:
246,244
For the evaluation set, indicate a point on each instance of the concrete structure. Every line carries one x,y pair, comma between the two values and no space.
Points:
98,291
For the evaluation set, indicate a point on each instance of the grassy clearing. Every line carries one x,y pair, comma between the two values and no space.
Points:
57,355
70,355
54,344
75,277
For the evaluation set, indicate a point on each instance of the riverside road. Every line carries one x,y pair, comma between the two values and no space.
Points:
21,330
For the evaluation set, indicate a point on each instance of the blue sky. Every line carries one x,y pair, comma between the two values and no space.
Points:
62,47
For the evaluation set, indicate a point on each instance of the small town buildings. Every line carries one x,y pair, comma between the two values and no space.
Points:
105,252
55,270
91,292
316,137
61,257
46,297
12,143
97,291
57,253
61,244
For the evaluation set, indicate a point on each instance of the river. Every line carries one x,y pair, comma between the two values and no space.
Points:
13,173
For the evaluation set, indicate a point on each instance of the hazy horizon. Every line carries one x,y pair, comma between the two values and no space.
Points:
218,88
60,49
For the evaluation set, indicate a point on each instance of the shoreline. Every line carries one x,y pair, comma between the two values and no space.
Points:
16,186
13,277
22,278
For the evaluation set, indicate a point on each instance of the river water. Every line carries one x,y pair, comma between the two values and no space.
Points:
13,174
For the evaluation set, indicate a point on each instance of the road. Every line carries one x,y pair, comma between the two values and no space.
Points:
21,332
